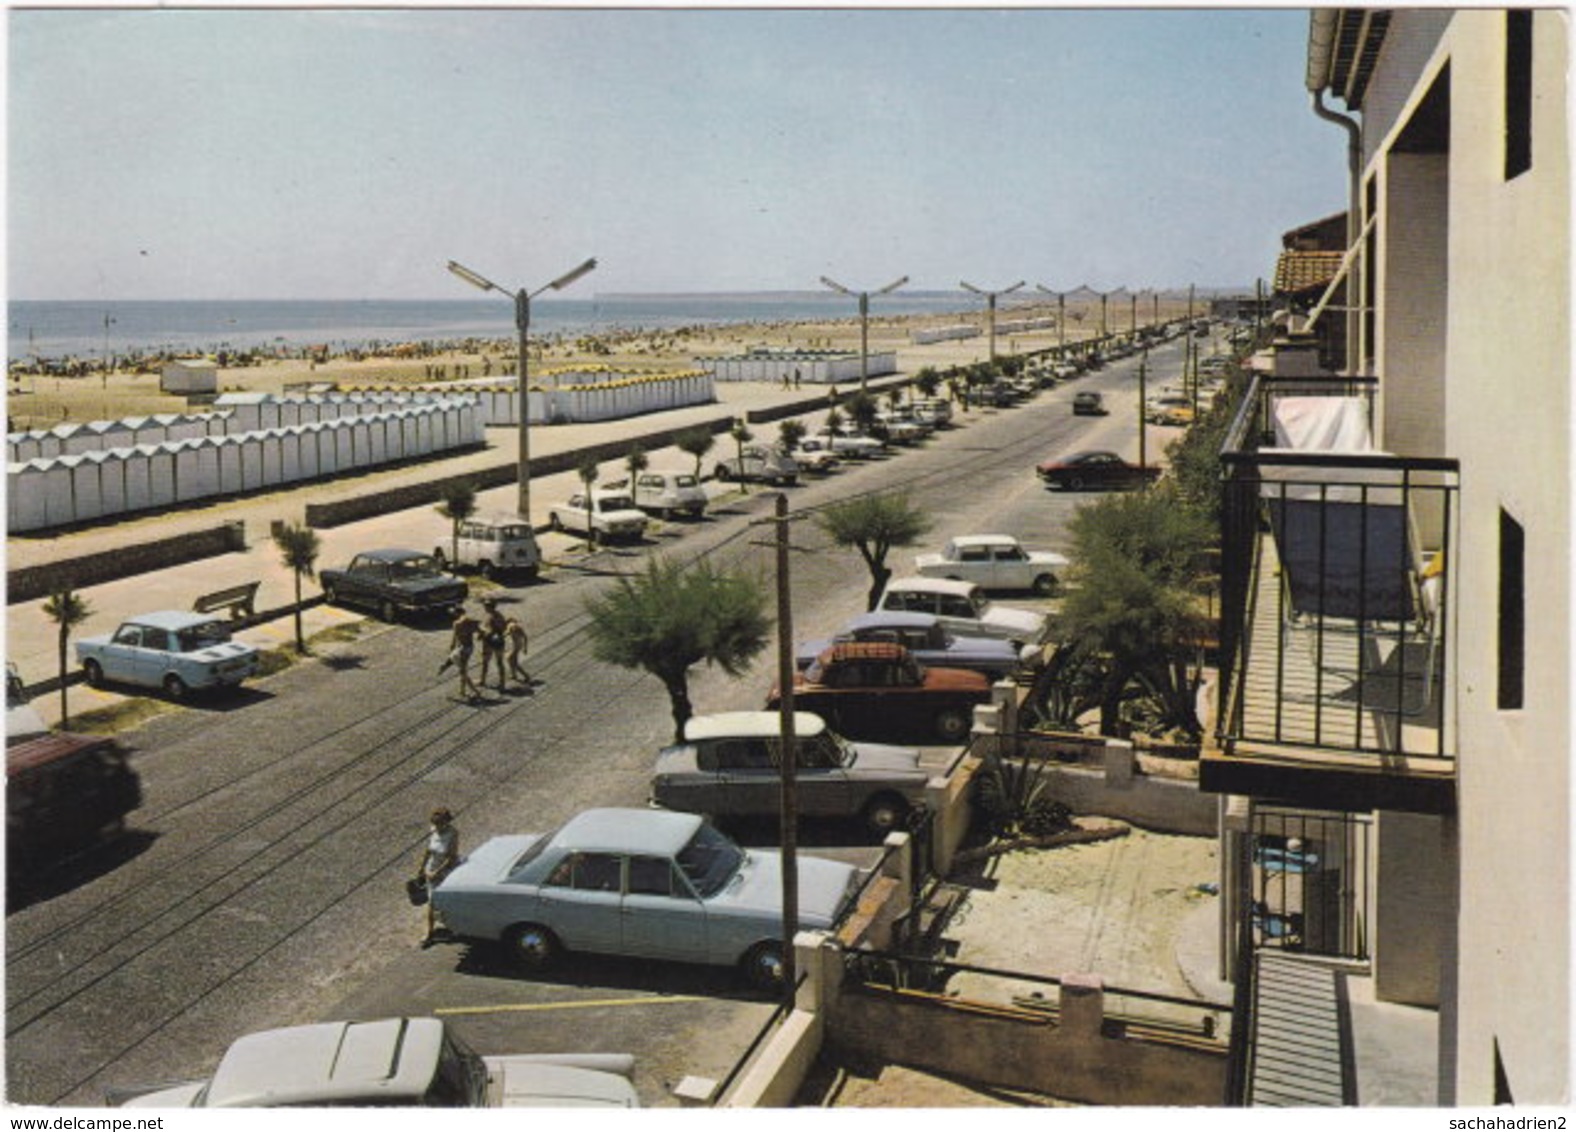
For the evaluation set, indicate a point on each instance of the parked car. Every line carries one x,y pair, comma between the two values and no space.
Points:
760,464
664,494
996,562
63,793
613,515
643,883
1169,409
394,583
928,641
876,690
730,765
963,608
900,429
491,545
171,649
937,411
409,1062
850,443
813,454
1089,405
1094,471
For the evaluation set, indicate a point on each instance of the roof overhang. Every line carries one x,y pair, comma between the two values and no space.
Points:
1343,45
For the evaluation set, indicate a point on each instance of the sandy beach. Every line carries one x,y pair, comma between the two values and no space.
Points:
42,401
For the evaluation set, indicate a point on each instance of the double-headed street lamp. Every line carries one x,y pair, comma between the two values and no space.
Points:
990,301
522,323
864,319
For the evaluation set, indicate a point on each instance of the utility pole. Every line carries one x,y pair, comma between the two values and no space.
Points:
788,822
1143,401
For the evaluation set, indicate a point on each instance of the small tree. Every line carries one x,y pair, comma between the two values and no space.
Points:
862,410
696,442
790,433
67,609
588,471
672,617
927,381
873,525
741,436
459,504
298,550
635,462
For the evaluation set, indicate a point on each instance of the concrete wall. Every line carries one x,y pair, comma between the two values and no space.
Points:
30,583
1412,906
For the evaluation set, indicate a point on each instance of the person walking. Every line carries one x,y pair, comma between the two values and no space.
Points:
514,631
462,643
438,857
494,628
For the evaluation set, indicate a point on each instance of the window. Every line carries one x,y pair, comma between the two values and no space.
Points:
1512,613
1518,92
650,876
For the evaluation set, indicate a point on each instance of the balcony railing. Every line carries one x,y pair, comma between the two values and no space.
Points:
1335,586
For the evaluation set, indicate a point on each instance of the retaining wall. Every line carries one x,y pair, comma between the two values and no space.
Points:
29,583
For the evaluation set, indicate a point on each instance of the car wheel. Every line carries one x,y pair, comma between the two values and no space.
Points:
440,558
387,611
175,687
1075,483
531,947
330,595
486,569
885,813
763,967
94,673
952,725
720,474
1045,585
555,523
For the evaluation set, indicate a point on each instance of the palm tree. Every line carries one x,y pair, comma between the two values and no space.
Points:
671,617
298,550
459,504
790,433
588,472
874,524
635,460
67,609
696,442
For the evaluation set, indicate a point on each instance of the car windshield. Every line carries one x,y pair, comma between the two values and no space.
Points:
512,533
710,860
615,503
685,481
203,636
417,566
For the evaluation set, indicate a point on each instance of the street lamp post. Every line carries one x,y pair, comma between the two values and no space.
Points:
990,302
1061,317
522,323
864,319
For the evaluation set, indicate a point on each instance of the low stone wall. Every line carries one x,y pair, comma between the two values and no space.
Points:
29,583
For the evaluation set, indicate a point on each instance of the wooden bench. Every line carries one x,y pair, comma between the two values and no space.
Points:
237,599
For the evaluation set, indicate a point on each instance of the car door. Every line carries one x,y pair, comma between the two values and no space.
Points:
1010,568
747,769
154,657
585,894
660,915
368,579
118,658
821,781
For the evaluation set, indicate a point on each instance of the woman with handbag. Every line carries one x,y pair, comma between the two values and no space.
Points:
438,858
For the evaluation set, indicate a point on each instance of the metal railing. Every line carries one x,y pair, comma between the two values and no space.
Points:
1310,872
1335,588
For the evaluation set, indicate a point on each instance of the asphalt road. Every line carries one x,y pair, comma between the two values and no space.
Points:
262,882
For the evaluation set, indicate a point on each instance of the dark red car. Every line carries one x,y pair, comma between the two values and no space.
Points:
876,690
1094,471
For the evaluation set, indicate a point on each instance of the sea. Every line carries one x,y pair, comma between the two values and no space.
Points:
88,329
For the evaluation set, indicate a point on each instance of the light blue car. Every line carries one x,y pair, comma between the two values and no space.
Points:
649,884
173,650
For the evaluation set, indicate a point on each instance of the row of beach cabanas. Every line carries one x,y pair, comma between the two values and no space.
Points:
49,492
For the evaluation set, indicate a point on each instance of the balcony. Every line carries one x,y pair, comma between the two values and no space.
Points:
1336,619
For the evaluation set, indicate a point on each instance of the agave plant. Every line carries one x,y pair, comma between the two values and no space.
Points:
1014,800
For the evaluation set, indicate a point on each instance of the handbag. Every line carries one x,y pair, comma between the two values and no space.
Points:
416,891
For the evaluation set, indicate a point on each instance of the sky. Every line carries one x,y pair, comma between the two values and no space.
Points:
350,154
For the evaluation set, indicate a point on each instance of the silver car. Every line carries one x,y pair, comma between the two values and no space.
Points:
649,884
730,764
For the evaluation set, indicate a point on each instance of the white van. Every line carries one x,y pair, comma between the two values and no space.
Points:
492,544
665,493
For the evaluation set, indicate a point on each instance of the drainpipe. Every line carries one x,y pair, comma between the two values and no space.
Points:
1321,47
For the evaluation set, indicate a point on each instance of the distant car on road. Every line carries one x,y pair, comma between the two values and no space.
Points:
814,454
22,720
928,641
1089,405
876,690
664,494
409,1062
63,793
642,883
492,544
850,443
1094,471
394,582
963,608
730,765
995,562
613,515
761,464
176,651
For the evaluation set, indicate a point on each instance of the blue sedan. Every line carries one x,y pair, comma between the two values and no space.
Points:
927,640
649,884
